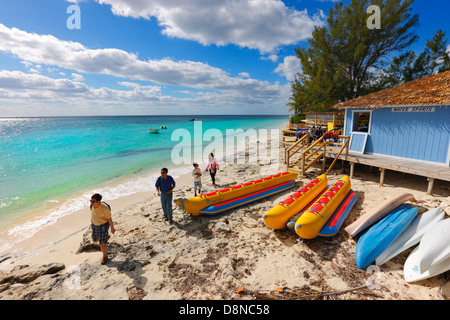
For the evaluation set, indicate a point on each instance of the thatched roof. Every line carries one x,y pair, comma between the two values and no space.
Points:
429,91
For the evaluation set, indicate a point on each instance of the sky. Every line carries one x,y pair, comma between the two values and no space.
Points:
162,57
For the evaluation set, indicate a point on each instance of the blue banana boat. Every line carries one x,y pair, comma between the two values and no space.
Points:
383,234
337,219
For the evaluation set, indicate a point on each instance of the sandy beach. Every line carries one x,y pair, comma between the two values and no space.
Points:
212,257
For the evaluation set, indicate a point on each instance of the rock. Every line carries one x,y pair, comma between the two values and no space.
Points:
447,210
228,275
222,226
87,244
25,273
4,258
136,293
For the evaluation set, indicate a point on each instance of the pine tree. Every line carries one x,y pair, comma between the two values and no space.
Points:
408,66
344,57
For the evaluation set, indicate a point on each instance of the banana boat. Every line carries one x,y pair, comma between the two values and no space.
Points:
316,216
278,216
229,198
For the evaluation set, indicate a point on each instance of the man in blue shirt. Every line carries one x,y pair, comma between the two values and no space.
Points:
164,186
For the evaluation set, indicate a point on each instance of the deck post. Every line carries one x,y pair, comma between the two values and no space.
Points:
352,169
287,160
382,176
430,185
324,158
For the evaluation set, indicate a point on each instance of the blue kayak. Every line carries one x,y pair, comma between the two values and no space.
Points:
383,234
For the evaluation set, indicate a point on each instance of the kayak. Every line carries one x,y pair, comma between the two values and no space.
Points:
383,234
411,269
377,213
412,235
435,245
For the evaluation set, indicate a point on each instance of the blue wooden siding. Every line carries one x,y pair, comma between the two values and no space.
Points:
415,135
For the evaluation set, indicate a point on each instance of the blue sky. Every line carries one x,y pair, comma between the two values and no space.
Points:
162,56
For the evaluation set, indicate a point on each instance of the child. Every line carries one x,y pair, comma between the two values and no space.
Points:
101,221
197,173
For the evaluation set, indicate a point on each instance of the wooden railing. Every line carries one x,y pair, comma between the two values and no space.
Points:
344,146
310,154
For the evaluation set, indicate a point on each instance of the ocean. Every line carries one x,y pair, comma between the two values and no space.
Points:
50,166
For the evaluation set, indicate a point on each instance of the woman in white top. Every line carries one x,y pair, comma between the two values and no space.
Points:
213,167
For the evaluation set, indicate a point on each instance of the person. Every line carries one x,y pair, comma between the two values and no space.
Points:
311,134
101,221
197,173
318,133
213,167
164,187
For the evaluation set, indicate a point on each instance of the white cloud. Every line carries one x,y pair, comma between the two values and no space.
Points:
272,57
32,87
289,67
50,51
20,80
39,92
214,88
256,24
77,77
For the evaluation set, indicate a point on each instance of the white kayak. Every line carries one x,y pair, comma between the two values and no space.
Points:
411,271
412,235
435,245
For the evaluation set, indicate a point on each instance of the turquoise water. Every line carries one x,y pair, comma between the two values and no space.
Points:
53,164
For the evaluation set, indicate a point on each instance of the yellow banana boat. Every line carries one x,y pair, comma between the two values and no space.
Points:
278,216
194,205
316,216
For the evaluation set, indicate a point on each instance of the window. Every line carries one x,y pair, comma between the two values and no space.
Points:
361,121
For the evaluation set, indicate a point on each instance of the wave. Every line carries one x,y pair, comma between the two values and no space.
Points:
26,230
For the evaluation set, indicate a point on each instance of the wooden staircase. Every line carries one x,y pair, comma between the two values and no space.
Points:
301,156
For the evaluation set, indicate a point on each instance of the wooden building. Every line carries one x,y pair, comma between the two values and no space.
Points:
405,128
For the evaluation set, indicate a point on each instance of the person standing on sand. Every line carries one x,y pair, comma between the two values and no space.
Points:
197,173
164,186
213,167
100,222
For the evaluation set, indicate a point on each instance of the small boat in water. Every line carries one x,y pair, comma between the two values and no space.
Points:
153,130
163,127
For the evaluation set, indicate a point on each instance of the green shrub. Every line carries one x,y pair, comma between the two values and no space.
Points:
298,118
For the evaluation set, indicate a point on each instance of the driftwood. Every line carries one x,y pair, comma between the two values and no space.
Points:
304,293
